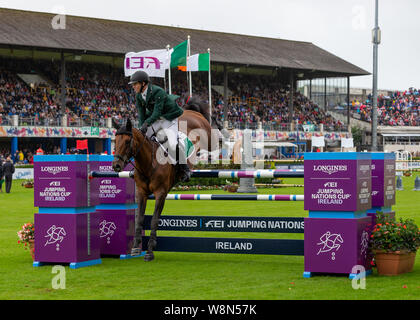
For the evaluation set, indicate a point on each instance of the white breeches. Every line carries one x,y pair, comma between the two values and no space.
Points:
170,130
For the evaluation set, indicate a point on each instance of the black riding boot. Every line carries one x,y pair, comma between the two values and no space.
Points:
185,172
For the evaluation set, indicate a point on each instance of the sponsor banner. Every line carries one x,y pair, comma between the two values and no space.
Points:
23,173
113,190
56,132
229,224
383,182
337,185
228,245
63,184
272,135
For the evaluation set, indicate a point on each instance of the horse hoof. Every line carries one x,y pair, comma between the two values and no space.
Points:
149,257
135,251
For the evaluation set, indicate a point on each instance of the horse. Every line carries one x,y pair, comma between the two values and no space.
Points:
151,176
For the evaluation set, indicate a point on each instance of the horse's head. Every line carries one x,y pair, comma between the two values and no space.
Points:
123,146
339,238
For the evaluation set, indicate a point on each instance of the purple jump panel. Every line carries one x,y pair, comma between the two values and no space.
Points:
62,181
337,181
112,190
338,187
66,227
66,238
383,180
116,231
336,245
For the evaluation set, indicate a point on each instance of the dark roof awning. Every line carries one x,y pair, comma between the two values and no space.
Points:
34,29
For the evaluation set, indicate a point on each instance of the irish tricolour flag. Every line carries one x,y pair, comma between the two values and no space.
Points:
198,62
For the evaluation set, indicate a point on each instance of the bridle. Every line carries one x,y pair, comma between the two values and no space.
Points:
126,158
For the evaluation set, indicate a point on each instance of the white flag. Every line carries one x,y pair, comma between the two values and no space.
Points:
153,62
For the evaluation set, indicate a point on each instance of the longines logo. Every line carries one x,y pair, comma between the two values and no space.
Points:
54,170
330,169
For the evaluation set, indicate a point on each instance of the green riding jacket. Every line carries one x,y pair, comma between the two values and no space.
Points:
158,104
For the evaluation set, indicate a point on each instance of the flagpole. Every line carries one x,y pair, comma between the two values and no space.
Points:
208,50
169,70
189,73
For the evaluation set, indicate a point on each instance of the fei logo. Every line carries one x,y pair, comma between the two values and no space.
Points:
215,224
54,235
330,241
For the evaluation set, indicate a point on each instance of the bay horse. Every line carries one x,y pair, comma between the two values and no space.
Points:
151,176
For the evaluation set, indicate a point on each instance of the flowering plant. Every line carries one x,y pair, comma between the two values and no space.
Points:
389,235
28,182
26,233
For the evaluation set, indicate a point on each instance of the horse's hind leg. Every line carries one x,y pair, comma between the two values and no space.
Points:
160,202
137,244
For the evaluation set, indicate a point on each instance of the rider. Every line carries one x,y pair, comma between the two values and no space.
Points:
158,110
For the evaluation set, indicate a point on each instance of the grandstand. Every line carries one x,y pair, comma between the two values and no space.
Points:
60,85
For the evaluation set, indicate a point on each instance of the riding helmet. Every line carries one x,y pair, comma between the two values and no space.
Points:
139,76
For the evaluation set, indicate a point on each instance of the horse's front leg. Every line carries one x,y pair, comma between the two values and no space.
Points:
160,197
137,244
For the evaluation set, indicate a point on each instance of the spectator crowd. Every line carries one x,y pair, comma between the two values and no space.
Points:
401,108
96,92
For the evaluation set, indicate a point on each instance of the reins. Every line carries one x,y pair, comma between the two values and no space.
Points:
125,159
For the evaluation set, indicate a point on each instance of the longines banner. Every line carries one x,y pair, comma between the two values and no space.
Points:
286,135
95,132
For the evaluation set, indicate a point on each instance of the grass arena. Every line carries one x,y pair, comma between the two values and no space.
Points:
176,275
166,162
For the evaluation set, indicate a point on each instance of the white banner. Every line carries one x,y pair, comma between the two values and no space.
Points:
318,141
23,173
347,143
153,62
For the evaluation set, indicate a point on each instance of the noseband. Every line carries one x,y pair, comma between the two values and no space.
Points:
125,158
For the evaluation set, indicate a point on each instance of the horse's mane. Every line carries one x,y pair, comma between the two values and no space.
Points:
123,130
194,103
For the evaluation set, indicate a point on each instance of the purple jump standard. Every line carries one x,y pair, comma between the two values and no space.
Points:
66,226
383,184
116,209
337,195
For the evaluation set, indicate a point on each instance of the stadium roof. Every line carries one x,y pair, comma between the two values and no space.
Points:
34,30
